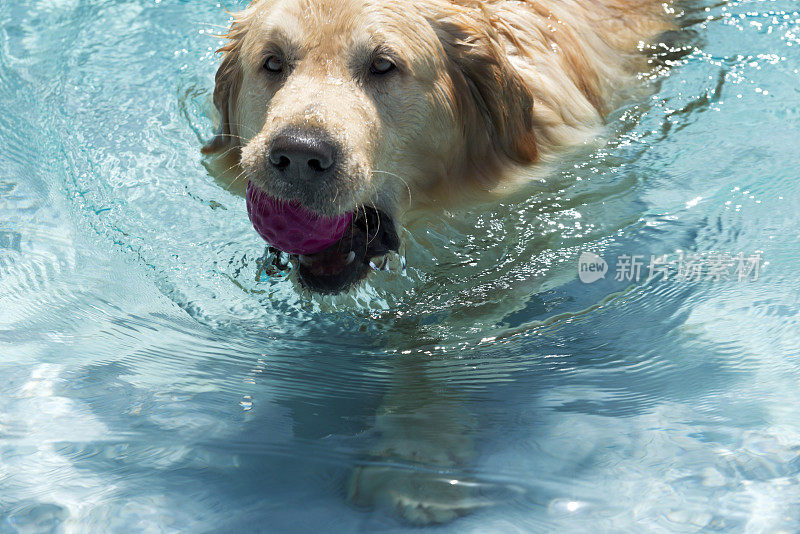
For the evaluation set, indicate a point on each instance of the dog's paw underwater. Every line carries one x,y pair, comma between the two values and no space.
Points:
418,498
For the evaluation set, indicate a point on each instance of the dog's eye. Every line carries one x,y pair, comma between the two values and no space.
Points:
273,64
381,65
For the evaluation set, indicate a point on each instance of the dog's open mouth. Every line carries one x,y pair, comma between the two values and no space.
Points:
371,234
333,253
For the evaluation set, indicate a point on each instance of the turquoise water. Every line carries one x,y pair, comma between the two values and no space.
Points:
152,380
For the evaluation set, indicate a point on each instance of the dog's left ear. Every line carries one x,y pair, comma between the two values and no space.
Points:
227,83
479,64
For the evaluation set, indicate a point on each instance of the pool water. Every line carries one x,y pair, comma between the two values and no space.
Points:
153,378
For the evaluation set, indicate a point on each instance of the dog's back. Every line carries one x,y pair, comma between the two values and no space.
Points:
577,56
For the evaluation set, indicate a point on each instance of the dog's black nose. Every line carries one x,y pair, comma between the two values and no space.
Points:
303,154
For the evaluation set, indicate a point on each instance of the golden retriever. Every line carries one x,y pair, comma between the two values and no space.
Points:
375,106
368,105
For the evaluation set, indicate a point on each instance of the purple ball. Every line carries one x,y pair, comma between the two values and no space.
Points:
290,227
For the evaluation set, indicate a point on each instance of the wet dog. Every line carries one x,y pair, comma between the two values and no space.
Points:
375,106
369,106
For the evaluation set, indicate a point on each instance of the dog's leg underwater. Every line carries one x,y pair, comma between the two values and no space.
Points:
426,436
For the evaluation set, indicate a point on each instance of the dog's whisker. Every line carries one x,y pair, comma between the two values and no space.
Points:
240,175
229,169
395,175
243,127
225,154
234,136
374,195
366,224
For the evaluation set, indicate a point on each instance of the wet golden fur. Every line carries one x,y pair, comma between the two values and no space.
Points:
481,87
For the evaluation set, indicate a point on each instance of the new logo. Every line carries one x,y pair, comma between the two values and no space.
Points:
591,267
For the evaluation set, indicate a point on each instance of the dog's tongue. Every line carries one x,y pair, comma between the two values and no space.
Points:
290,227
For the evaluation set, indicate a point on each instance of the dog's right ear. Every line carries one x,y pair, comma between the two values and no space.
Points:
228,81
485,81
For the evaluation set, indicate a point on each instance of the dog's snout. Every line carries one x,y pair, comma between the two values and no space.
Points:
303,154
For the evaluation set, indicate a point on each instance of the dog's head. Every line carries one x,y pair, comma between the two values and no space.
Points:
363,106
